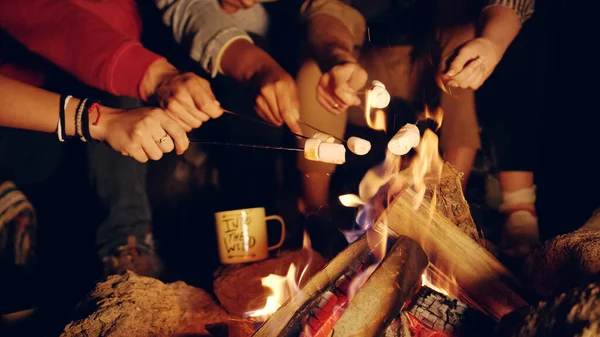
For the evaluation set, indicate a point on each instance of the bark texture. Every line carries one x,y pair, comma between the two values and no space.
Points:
130,305
574,313
564,262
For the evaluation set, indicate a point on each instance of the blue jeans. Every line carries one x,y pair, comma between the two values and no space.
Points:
29,158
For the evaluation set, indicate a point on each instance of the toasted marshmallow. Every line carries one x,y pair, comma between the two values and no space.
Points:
332,153
359,146
379,96
405,139
325,138
311,149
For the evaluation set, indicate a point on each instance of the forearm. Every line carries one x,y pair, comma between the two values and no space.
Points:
331,41
335,31
500,24
203,28
30,108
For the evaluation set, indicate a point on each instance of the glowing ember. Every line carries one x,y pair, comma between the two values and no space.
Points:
282,287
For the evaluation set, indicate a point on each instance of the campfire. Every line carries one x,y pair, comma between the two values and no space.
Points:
415,266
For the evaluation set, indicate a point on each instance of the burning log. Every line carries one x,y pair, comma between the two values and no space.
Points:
290,318
444,228
385,292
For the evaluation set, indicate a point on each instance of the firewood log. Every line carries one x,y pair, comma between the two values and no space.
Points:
483,282
383,295
130,305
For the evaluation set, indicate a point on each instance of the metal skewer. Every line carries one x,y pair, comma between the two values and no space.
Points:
312,127
263,122
247,145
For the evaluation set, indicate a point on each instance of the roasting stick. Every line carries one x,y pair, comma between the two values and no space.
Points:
314,128
248,145
263,122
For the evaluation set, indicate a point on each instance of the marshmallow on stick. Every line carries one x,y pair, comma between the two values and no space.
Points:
405,139
332,153
379,97
311,149
325,138
359,146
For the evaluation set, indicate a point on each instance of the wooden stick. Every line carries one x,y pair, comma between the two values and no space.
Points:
380,299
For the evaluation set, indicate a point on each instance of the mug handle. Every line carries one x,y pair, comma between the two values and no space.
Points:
280,219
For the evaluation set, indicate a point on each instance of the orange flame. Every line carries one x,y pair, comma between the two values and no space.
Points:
282,287
376,120
425,166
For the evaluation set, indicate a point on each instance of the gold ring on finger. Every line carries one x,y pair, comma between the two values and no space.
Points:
163,139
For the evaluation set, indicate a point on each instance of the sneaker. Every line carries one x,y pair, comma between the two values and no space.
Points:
520,234
133,257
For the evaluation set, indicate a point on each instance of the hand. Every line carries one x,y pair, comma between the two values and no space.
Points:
144,133
472,65
277,100
232,6
188,99
338,89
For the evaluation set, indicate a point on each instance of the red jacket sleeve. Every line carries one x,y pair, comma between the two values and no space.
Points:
79,42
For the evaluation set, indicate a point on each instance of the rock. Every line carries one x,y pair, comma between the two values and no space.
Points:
574,313
564,262
132,305
239,288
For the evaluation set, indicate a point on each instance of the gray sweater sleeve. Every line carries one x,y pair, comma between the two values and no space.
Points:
524,8
202,27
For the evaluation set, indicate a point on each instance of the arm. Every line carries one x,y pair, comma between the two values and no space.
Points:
501,20
476,60
133,132
214,39
80,43
204,29
335,31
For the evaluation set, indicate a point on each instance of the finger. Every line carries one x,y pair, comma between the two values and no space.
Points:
162,138
189,121
478,81
180,138
471,69
268,93
264,111
289,106
204,100
327,101
347,95
137,153
150,147
464,55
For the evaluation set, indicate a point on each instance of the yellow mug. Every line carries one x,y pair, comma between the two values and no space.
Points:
242,235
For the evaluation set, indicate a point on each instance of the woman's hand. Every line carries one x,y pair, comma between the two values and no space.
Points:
338,88
473,64
144,133
277,100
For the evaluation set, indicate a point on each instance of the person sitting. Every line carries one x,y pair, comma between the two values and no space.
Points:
99,44
350,42
473,64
